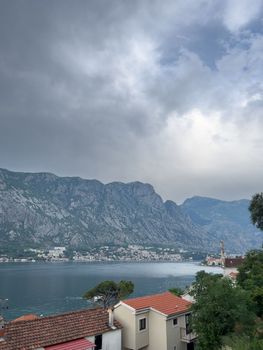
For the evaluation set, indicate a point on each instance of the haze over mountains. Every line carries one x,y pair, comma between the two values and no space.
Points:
44,209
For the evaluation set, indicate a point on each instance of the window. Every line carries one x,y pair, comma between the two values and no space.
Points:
175,321
191,346
142,324
188,318
98,341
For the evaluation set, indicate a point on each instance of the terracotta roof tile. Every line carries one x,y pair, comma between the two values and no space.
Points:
28,317
233,275
51,330
233,262
79,344
166,303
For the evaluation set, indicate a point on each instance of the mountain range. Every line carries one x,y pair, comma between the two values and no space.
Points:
42,209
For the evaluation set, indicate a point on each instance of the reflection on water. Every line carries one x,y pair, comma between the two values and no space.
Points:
48,288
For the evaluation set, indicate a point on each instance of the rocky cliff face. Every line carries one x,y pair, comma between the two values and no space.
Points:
48,210
228,221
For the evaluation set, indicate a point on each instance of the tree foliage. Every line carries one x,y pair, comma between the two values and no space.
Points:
243,343
109,293
219,309
256,210
176,291
250,278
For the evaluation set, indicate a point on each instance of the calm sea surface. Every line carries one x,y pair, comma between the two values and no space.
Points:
49,288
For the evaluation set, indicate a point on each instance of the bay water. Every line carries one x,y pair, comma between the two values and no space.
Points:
51,288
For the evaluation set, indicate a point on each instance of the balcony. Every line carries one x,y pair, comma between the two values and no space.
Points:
185,336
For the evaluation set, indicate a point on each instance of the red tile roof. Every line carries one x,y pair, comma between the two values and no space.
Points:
233,262
80,344
51,330
233,275
28,317
166,303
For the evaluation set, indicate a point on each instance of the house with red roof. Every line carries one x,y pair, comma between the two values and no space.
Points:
231,265
155,322
91,329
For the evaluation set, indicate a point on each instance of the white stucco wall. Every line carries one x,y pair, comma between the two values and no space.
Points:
157,331
110,340
127,319
142,337
173,334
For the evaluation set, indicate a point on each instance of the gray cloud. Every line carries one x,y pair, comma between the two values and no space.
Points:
169,93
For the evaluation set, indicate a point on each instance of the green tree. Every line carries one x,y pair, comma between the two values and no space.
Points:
243,343
219,309
256,210
250,278
176,291
109,293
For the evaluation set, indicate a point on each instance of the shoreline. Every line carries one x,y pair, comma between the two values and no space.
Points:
99,261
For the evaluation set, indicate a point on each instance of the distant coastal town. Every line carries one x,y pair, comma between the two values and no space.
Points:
103,253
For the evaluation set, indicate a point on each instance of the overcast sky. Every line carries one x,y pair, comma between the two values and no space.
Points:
160,91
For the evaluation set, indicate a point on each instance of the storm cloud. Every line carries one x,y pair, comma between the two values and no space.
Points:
165,92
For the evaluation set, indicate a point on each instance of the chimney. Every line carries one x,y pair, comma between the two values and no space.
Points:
111,318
